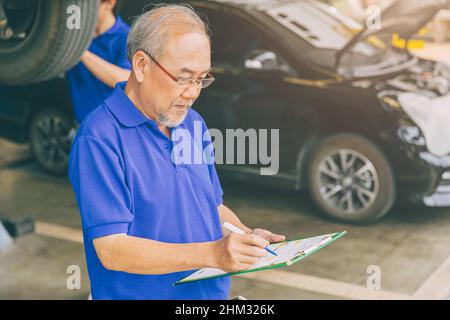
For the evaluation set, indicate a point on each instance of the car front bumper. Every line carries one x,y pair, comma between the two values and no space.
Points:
440,197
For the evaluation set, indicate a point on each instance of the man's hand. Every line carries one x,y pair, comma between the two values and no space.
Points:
268,236
237,252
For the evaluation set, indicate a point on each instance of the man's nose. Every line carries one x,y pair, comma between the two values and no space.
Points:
191,92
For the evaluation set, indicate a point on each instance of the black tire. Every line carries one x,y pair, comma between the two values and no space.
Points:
48,47
51,135
358,189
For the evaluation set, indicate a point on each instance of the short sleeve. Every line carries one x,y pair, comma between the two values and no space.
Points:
98,181
218,192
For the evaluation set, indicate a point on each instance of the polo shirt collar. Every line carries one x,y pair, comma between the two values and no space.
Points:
123,109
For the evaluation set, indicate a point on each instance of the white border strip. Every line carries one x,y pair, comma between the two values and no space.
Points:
59,232
437,286
323,286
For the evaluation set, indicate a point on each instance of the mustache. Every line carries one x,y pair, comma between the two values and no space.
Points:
188,105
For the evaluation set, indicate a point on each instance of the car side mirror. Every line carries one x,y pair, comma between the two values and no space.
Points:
267,61
262,60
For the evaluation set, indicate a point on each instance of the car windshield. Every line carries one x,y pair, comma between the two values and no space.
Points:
327,29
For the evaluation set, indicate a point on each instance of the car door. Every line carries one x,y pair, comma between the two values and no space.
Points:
249,90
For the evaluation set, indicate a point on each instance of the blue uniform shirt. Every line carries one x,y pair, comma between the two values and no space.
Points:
87,92
127,180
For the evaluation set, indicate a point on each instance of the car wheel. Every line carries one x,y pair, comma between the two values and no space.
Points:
51,135
350,179
43,38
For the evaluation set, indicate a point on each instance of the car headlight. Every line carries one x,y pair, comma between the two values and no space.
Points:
412,135
391,102
408,131
388,100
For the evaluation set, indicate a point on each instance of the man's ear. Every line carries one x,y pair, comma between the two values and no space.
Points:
139,66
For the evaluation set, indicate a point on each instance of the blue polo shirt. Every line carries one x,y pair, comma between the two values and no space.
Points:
88,92
127,180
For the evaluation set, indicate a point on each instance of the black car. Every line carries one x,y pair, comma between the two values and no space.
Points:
332,90
40,114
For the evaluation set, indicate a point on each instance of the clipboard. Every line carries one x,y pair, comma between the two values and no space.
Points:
288,253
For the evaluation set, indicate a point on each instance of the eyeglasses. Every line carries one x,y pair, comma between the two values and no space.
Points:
185,82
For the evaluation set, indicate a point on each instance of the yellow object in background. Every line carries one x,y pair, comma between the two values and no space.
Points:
412,44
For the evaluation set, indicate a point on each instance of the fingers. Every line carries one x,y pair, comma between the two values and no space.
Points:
252,251
245,260
255,240
276,238
243,251
269,236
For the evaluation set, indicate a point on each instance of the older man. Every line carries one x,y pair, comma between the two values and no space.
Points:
148,218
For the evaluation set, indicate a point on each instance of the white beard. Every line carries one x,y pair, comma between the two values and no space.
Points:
164,120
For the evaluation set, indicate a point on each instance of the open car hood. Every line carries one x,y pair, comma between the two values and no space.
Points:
404,17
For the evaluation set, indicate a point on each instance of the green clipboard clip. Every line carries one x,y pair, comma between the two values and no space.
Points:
302,250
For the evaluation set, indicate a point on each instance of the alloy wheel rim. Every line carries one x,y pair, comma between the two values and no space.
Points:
53,141
348,181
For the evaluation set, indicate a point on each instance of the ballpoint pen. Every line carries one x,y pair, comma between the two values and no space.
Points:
235,229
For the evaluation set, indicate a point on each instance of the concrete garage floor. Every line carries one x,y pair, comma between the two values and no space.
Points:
410,246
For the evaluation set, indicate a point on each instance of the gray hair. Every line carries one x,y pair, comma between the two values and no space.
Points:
152,29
